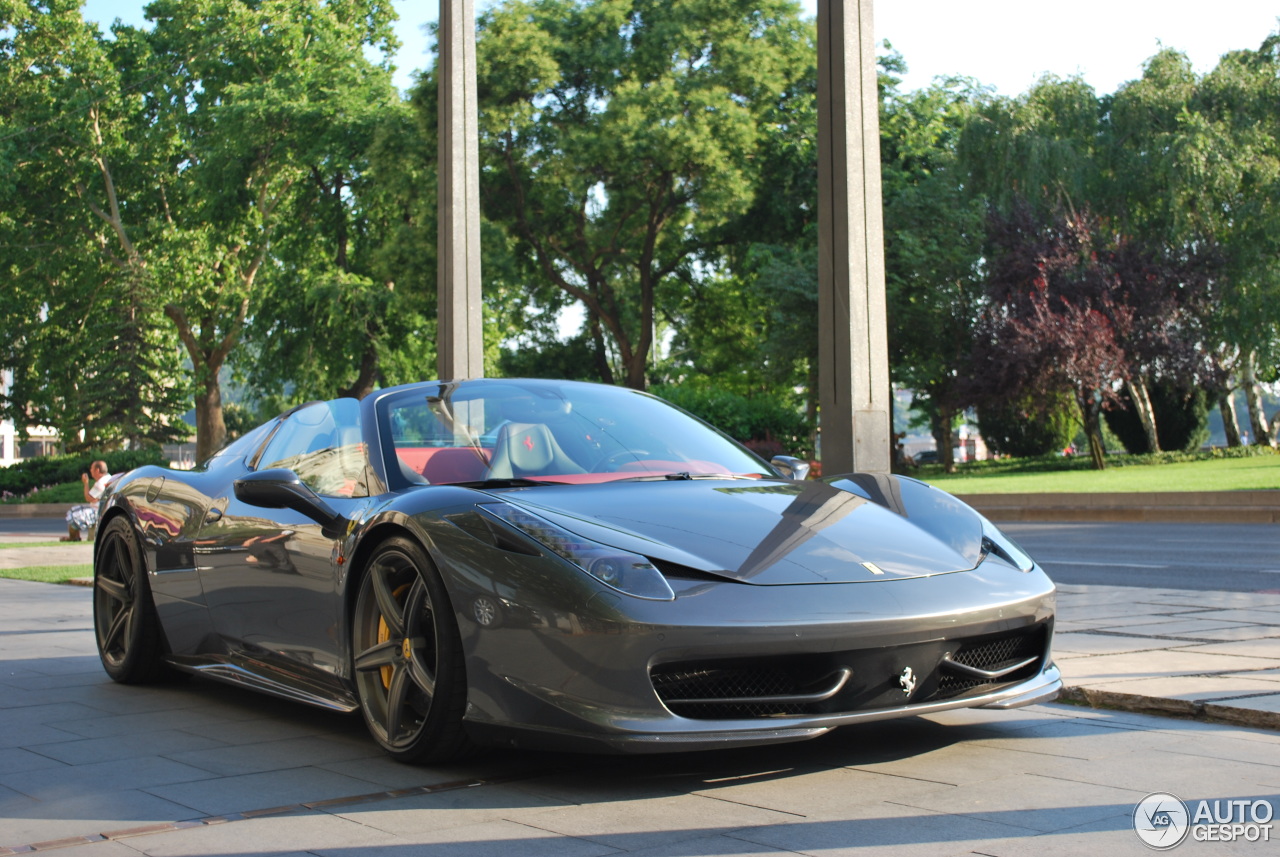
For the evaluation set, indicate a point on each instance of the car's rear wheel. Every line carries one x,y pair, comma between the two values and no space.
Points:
125,623
409,670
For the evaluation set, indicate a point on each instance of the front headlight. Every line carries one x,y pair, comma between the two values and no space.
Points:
622,570
996,542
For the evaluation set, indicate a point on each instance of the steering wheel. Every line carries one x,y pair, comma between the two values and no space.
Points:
609,463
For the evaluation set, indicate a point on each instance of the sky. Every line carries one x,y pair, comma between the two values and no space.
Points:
1007,44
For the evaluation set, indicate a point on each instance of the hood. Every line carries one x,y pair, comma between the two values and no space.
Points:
848,530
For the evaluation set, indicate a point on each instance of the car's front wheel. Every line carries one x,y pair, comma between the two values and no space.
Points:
125,624
409,670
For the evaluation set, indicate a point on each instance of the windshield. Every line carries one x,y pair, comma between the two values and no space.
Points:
550,431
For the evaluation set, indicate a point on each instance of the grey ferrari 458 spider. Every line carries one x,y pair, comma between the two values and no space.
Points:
561,565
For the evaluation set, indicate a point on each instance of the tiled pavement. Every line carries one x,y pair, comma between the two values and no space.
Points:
1213,655
94,768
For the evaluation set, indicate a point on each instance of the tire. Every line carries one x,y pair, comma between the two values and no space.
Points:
130,642
407,657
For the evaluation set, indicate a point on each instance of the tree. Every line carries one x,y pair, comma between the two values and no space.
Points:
1051,326
1235,154
1182,414
1060,148
189,142
618,136
934,229
1029,428
84,338
348,301
1202,167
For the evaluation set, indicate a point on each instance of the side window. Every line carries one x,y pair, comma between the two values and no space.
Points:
322,443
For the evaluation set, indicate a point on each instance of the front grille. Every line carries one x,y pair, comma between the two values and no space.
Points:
992,655
739,688
683,689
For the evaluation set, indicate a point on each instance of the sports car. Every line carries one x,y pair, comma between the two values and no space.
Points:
563,565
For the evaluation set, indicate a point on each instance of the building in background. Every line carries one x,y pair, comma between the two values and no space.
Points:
16,444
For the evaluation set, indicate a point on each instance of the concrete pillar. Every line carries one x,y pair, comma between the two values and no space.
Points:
853,350
460,332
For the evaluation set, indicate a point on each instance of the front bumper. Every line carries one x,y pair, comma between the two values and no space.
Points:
706,735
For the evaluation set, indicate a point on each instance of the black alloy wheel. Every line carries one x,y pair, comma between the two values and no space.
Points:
409,670
125,623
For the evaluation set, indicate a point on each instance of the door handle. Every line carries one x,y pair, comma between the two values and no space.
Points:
213,516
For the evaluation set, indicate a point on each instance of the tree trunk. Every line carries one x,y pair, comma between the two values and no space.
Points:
211,430
635,370
1093,431
368,375
603,369
942,428
1258,426
1146,413
1230,423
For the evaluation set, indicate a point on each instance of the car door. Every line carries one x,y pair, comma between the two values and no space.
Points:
271,576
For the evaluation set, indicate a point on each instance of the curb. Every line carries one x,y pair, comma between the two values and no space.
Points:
1189,709
1182,507
35,510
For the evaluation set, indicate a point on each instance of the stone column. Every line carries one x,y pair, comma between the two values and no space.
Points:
853,351
460,332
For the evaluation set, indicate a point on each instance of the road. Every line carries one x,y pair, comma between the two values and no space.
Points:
1223,557
41,529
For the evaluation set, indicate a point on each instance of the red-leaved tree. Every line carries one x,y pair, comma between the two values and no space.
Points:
1051,325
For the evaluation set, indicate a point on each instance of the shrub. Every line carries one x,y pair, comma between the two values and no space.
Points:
1020,430
32,473
1182,419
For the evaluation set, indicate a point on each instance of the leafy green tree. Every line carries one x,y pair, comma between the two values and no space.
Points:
1234,158
618,137
1200,164
186,143
347,302
934,230
84,337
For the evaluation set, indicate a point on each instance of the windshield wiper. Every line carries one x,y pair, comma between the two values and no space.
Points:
509,482
682,476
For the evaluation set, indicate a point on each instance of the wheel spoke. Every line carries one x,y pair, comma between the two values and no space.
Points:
396,696
113,589
417,606
387,605
123,564
120,625
424,678
377,657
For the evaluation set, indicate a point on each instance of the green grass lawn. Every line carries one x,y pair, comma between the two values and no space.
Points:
53,544
47,573
1231,474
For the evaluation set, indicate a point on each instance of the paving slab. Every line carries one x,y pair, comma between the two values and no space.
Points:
1264,647
1084,643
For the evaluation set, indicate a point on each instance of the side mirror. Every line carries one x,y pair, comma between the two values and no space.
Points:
791,467
280,488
